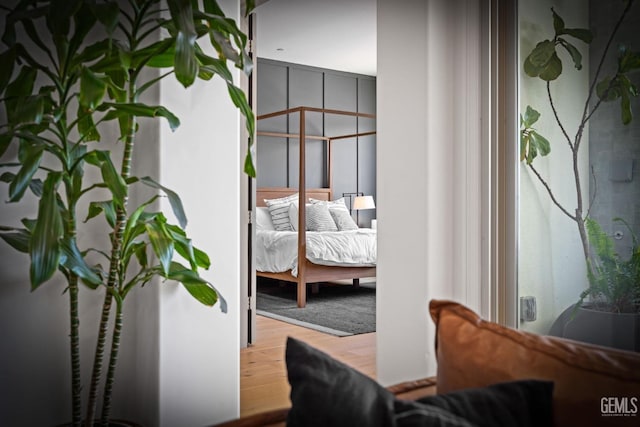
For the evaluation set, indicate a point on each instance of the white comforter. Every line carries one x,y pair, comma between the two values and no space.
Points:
277,251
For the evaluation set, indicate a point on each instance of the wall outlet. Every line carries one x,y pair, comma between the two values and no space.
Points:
528,310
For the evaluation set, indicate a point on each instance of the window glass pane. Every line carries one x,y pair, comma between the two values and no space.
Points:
579,194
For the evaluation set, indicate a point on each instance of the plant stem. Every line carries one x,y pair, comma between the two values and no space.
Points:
72,278
551,195
97,361
76,382
557,117
114,273
115,346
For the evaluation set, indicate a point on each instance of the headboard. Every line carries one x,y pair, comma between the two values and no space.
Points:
277,192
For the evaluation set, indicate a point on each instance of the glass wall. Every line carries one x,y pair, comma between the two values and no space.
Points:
579,186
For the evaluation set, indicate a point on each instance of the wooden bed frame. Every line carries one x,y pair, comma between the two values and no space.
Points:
309,272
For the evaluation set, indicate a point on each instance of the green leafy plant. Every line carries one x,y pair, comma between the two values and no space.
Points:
70,70
545,62
615,282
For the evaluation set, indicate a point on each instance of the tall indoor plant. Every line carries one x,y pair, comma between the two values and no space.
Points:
70,69
544,62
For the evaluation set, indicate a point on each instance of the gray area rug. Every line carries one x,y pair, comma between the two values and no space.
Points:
340,310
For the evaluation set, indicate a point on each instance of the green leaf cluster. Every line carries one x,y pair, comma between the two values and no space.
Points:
104,80
531,142
544,62
614,282
59,90
619,86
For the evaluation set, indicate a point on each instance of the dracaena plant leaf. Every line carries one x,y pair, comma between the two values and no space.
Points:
107,207
160,54
31,158
161,242
135,225
185,248
86,126
92,89
44,247
108,14
7,62
29,110
17,238
5,141
59,14
112,179
83,21
140,110
239,99
186,65
19,88
199,288
72,259
172,196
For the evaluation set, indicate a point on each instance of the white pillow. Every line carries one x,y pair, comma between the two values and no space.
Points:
339,213
263,219
319,218
293,215
279,210
316,219
343,219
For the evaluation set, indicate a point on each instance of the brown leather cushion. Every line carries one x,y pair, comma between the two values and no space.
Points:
474,353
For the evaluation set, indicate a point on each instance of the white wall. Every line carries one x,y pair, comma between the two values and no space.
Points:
200,346
551,263
429,174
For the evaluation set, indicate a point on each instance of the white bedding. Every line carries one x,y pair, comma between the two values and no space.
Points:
277,251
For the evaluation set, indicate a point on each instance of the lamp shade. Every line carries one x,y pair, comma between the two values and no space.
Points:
363,202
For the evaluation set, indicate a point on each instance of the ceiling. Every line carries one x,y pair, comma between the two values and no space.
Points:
332,34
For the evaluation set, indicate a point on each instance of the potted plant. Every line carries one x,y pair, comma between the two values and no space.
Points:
607,290
70,70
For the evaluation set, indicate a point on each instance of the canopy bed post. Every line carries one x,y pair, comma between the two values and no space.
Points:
302,220
330,163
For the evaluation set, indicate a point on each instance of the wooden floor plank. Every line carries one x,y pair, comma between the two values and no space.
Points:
263,374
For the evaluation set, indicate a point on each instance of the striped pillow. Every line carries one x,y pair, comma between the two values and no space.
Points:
343,219
279,210
339,212
319,218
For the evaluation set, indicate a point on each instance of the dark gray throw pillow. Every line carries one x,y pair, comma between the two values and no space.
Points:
326,392
524,403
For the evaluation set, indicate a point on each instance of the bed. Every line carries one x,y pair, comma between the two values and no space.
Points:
305,270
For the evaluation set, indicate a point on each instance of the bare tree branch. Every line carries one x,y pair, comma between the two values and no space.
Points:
553,197
555,114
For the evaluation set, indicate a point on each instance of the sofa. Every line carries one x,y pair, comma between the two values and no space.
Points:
487,375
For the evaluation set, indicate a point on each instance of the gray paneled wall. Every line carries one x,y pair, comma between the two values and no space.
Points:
283,85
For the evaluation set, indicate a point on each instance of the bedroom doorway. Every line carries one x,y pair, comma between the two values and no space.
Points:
284,79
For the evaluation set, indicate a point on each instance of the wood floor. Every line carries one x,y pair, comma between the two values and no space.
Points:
263,376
